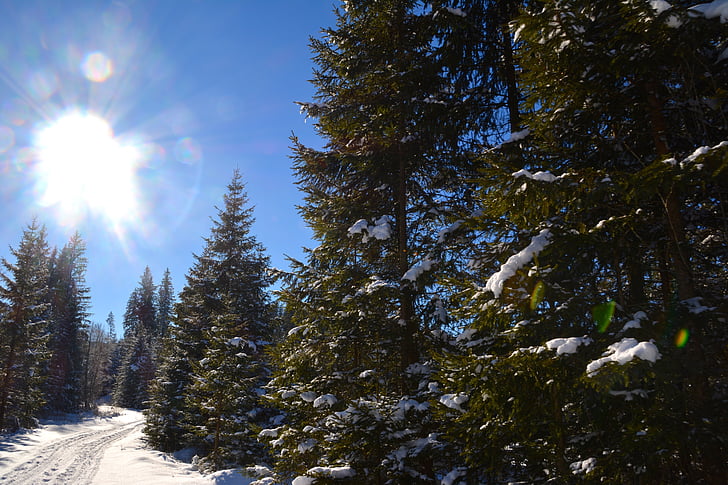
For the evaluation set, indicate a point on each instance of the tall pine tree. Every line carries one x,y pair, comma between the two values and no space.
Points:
207,390
396,104
141,334
25,315
69,302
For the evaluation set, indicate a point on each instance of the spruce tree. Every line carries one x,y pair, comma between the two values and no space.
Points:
586,359
141,334
165,303
207,391
69,302
24,329
399,115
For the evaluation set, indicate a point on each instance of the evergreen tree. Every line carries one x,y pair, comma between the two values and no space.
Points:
400,116
69,303
577,366
110,323
23,330
165,302
141,332
213,355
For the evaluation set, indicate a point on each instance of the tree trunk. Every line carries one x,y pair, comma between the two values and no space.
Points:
671,202
409,352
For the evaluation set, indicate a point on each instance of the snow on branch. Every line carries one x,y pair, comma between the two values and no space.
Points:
567,345
625,351
453,401
517,261
716,8
541,176
324,471
418,270
381,229
697,153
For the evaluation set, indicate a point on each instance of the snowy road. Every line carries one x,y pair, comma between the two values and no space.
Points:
107,451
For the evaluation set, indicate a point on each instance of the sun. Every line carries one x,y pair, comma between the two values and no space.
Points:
83,169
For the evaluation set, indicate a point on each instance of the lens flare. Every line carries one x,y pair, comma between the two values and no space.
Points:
537,295
603,314
7,138
188,151
682,337
97,67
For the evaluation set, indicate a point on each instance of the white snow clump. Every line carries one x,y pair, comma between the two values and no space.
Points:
567,345
517,261
453,401
583,466
417,270
625,351
381,229
325,400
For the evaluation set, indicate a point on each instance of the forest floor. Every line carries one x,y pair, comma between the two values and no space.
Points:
104,449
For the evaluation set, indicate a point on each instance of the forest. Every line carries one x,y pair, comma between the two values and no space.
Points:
519,272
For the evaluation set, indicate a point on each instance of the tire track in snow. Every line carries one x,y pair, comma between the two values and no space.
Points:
74,459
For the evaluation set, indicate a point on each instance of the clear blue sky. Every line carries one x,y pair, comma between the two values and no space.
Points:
196,88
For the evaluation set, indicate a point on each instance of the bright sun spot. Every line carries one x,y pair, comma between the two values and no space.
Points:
83,169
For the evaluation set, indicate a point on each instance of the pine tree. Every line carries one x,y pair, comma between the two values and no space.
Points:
577,366
24,334
399,117
213,364
165,303
69,301
141,333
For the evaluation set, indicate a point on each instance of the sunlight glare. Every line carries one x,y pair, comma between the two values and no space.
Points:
82,168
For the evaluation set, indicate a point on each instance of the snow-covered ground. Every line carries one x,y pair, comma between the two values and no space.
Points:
105,450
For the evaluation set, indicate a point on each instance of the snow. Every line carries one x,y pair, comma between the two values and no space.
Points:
541,176
453,401
660,6
381,229
451,478
107,449
583,466
517,261
518,135
456,11
695,306
235,341
629,395
451,228
635,322
625,351
417,270
717,8
567,345
325,400
324,471
309,396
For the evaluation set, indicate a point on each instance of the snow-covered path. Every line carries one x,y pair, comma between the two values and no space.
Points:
93,451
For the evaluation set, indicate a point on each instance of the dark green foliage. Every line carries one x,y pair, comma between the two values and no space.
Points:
622,165
139,347
399,115
206,393
25,313
69,302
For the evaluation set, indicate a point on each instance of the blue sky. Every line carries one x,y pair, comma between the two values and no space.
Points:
192,88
